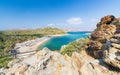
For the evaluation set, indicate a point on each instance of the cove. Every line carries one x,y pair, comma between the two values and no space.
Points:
55,43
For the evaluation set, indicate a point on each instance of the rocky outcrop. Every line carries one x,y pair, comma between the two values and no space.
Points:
107,33
53,63
107,19
91,66
112,57
48,62
45,62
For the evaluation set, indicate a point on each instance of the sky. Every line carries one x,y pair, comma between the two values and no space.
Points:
81,15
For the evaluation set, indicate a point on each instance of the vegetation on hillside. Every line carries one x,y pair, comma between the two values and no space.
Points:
75,46
40,31
8,40
50,31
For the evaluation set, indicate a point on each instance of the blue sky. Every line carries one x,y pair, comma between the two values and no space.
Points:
65,14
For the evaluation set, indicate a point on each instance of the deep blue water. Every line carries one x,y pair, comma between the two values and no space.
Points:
55,43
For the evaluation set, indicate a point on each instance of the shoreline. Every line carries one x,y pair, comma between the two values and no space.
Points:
33,45
57,35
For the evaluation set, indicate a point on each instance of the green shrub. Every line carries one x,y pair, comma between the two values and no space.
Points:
5,60
75,46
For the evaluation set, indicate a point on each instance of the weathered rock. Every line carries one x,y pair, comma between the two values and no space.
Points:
53,63
117,36
104,32
116,45
46,62
98,54
111,57
113,40
92,66
107,29
10,64
22,69
95,45
107,19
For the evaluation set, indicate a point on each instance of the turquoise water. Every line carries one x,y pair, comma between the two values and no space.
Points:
55,43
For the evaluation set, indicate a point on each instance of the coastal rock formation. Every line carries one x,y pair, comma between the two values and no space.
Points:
112,57
46,62
53,63
107,19
91,66
107,33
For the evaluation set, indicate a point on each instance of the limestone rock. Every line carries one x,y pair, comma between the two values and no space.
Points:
111,57
115,45
90,66
95,45
107,19
104,32
107,29
113,40
53,63
46,62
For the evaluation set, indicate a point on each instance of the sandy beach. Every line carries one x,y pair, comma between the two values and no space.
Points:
32,45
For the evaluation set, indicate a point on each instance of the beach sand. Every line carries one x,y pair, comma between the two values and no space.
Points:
32,45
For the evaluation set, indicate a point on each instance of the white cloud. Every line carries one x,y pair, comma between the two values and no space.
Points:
74,21
51,24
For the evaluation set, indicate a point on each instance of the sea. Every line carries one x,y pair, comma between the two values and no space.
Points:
55,43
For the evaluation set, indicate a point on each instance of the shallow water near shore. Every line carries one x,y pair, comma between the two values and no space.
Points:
55,43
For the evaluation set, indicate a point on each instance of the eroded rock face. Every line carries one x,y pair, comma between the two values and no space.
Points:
112,57
53,63
103,32
92,66
46,62
107,19
108,34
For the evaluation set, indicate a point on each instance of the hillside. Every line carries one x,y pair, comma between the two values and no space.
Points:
39,31
8,40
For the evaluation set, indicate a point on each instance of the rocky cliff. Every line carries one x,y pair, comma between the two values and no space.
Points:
47,62
102,57
105,41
